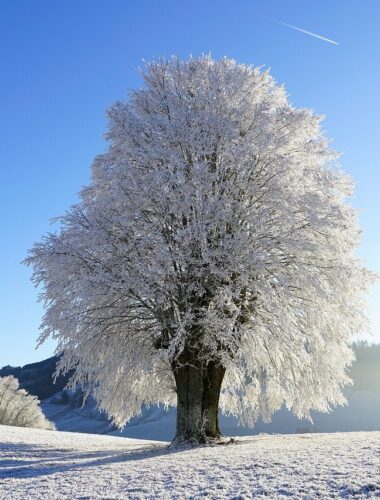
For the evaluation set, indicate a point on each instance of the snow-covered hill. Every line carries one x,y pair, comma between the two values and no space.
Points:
65,409
52,465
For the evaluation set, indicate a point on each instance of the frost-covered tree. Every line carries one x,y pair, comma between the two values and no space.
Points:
19,408
210,261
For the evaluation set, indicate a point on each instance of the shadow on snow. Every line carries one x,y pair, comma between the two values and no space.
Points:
47,461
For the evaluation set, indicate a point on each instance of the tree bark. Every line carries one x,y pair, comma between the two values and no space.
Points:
198,387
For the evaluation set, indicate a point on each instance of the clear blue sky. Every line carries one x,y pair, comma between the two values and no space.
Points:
63,62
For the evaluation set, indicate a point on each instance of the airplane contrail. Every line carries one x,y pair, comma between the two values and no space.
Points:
307,32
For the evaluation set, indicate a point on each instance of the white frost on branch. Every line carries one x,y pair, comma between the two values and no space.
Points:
218,218
18,408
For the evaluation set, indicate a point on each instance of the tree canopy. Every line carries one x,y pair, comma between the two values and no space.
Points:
215,238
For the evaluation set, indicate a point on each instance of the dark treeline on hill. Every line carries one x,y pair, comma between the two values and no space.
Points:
37,378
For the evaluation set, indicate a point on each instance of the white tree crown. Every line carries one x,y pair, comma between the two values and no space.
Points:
217,218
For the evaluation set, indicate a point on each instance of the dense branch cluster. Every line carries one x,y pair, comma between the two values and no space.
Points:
19,408
216,223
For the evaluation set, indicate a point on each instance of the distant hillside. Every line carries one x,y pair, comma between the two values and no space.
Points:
365,371
66,409
37,378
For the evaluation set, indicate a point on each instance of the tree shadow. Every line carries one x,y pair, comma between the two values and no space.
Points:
45,461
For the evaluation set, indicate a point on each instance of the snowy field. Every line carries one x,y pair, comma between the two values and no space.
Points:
58,465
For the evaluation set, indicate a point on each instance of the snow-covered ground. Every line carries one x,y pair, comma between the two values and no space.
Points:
61,465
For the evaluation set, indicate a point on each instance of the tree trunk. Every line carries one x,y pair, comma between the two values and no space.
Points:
198,389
